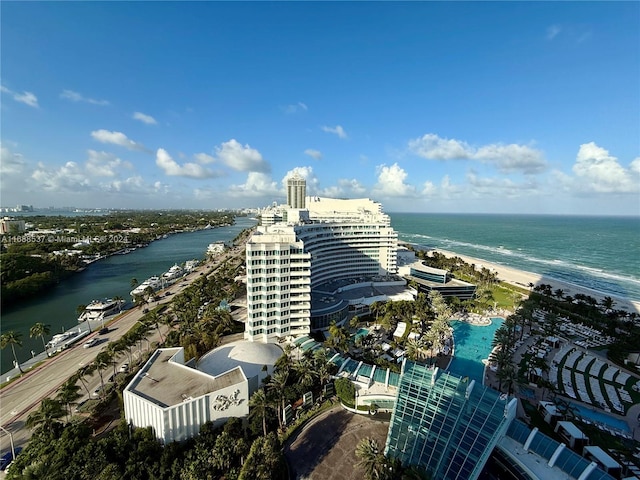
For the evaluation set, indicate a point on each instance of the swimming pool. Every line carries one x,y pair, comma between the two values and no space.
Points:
597,416
472,345
362,332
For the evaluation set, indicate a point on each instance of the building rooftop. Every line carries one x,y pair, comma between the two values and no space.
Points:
165,381
250,356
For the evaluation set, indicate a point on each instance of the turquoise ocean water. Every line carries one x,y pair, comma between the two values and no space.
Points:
601,253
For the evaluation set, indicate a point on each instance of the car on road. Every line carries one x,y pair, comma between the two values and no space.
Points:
103,330
8,457
124,368
90,343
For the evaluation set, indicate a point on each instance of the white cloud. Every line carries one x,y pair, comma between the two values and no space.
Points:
512,158
315,154
345,189
295,108
104,164
499,187
598,171
172,168
68,178
204,158
258,184
10,163
553,31
506,158
242,158
337,130
391,182
432,147
148,119
78,97
27,98
116,138
446,190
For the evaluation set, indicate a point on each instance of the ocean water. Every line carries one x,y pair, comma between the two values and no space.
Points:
601,253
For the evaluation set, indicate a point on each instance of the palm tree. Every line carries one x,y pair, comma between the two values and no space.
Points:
102,361
83,372
414,349
608,303
120,301
277,384
305,371
12,338
260,404
375,464
339,336
134,282
40,330
67,394
47,415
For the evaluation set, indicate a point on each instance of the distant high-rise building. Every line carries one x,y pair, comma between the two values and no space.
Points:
296,191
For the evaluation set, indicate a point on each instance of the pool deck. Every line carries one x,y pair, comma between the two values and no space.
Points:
631,418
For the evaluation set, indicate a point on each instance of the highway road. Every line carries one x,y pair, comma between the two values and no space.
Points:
24,395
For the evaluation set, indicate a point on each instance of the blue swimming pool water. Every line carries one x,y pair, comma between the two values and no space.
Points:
362,332
601,417
472,345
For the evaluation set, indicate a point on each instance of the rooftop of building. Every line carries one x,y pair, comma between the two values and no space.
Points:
250,356
332,295
453,282
541,449
165,381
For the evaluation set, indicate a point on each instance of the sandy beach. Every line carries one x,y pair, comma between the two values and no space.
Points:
523,279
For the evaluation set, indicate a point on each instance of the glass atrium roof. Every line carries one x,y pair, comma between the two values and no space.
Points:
446,424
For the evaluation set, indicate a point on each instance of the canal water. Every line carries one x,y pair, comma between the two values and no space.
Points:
105,278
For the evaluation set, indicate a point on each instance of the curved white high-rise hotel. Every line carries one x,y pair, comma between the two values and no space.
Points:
331,245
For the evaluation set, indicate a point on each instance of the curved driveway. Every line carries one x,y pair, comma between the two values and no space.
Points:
325,448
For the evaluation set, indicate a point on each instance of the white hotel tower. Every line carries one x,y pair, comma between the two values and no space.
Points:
295,266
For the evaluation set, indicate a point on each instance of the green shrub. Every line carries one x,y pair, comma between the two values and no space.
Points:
345,390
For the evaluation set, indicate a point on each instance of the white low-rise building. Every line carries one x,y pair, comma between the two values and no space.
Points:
176,399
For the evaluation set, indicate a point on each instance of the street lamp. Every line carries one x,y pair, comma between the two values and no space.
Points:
13,450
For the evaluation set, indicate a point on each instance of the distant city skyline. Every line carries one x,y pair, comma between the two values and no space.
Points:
451,107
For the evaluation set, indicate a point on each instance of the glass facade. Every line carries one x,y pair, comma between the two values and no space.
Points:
446,424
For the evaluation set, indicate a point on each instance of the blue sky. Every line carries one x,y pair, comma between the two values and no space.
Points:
424,106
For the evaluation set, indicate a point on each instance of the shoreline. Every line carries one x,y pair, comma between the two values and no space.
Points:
522,279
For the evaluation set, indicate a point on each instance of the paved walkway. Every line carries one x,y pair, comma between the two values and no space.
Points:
325,448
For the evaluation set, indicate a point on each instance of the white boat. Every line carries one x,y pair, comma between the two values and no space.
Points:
59,339
99,309
155,283
173,273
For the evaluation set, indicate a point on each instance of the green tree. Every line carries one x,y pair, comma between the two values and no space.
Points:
346,391
46,416
68,394
277,384
12,338
265,460
374,463
260,405
40,330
